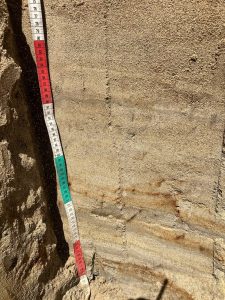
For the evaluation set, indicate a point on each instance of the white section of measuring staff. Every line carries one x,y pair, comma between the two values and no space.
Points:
71,215
36,20
52,129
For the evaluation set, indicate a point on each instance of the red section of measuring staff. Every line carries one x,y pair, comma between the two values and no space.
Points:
43,74
81,269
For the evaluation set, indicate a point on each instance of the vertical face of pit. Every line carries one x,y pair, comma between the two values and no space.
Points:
138,89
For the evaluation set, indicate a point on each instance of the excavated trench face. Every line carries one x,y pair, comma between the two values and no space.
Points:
139,100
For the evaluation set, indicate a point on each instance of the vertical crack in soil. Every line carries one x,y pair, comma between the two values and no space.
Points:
116,144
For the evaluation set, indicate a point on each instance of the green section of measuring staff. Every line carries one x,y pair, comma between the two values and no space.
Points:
63,181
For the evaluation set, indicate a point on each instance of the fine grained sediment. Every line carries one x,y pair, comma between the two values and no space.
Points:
139,99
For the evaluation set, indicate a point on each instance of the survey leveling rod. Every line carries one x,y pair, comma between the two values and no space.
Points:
36,21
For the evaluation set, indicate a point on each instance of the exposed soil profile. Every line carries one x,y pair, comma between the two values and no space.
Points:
139,99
